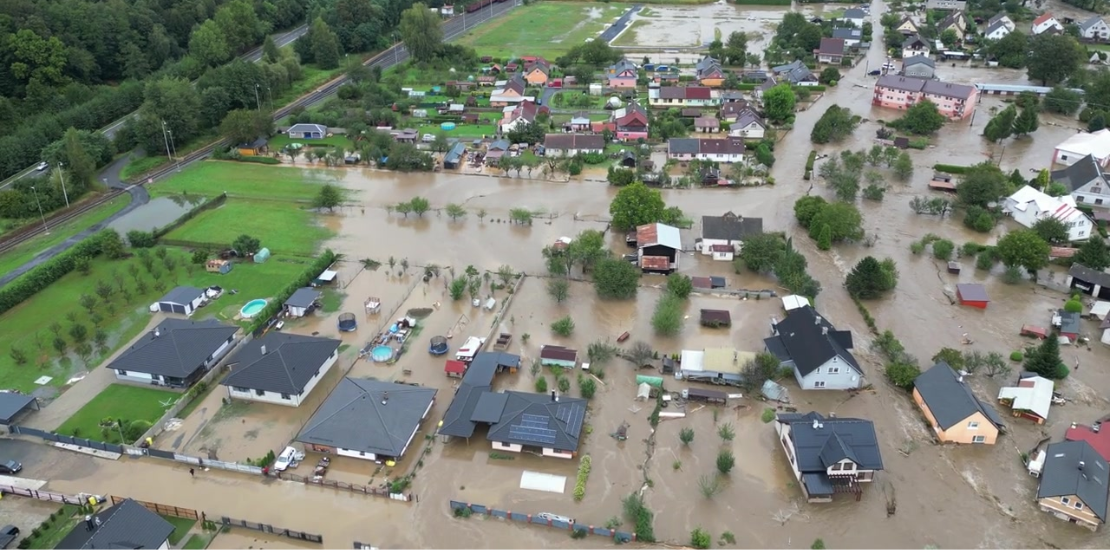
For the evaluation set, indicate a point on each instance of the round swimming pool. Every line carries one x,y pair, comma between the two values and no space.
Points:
253,307
381,354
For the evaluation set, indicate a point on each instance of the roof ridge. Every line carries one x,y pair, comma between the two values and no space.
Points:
356,397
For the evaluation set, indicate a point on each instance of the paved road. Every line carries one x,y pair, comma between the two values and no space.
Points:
611,33
110,130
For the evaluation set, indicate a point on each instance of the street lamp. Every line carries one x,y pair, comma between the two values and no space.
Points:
174,147
257,103
62,176
167,140
45,227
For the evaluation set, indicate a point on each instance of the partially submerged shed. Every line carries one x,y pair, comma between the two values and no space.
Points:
972,294
716,318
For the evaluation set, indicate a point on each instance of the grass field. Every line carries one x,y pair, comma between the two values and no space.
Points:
124,315
58,233
282,227
141,166
629,36
197,542
246,180
118,402
181,528
548,29
55,531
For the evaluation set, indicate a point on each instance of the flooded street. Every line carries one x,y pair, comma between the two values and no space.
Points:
946,496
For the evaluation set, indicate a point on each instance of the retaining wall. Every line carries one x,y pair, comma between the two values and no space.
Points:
535,519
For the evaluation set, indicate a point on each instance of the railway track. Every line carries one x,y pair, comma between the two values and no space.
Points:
27,233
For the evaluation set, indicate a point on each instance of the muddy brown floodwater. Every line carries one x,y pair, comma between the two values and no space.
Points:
945,496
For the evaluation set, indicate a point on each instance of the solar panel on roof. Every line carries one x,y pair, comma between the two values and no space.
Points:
570,415
536,435
533,418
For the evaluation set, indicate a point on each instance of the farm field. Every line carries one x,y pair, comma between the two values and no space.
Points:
246,180
547,29
282,227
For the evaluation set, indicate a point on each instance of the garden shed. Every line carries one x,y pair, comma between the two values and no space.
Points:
971,294
262,255
183,299
716,318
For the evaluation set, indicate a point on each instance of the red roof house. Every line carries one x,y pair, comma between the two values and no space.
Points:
1098,439
455,369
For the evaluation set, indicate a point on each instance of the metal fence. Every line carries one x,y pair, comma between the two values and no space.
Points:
354,488
67,439
266,528
164,509
40,495
531,519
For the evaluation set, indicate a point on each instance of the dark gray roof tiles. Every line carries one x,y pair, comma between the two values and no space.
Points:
730,227
1074,468
288,364
369,416
175,348
182,295
125,525
458,420
523,414
802,337
1088,275
820,442
950,399
303,297
1084,171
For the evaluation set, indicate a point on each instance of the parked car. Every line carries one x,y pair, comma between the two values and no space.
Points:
10,467
428,138
8,534
876,72
285,459
41,166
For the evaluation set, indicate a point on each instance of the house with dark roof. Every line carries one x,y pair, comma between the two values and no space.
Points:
727,150
997,29
1073,484
709,72
955,22
749,125
177,353
818,353
1089,281
659,247
731,111
919,66
622,74
952,410
796,73
682,96
558,356
368,419
454,156
1098,438
126,524
915,45
722,236
954,101
855,16
829,455
851,37
1085,181
280,368
907,26
183,300
1094,28
478,379
569,145
302,302
550,424
830,51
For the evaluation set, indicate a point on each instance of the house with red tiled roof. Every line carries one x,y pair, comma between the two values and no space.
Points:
1046,23
515,117
1098,439
631,122
682,96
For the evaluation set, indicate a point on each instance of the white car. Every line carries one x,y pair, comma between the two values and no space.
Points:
428,138
41,166
285,459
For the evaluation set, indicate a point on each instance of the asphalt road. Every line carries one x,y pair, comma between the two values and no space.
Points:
620,25
110,130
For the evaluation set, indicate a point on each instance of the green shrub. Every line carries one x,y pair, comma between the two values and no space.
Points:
463,512
699,538
768,415
587,387
641,517
563,383
579,533
583,476
1017,356
541,384
563,327
725,461
951,168
1073,306
259,160
902,374
942,249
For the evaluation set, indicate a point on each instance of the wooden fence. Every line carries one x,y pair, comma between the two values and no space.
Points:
164,509
40,495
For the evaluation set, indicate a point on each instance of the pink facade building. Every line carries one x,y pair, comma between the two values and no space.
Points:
955,101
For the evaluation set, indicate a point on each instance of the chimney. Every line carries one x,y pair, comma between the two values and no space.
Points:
1095,428
263,349
816,424
1081,465
960,378
553,398
89,525
817,319
385,397
157,332
824,331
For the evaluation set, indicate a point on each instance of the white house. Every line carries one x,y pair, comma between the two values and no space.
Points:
723,236
854,16
1028,206
517,116
999,29
176,353
126,524
1094,28
569,145
280,368
1086,182
307,131
1082,144
183,300
717,150
817,353
302,302
829,455
1045,23
748,126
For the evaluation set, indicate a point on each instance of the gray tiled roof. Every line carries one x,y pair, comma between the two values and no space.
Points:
12,404
1075,468
125,525
1090,22
304,297
820,442
683,146
947,89
1088,275
949,398
800,335
847,34
918,60
182,295
563,417
289,362
994,27
368,416
730,227
457,421
854,13
175,348
1084,171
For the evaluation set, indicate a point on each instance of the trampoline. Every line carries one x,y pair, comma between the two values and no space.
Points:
253,307
347,322
438,345
381,354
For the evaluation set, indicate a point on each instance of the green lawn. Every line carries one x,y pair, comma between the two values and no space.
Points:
284,228
196,542
141,165
181,528
547,29
461,130
54,532
244,179
58,233
630,35
312,77
281,140
119,402
569,100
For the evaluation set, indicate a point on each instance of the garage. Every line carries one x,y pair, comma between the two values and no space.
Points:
183,300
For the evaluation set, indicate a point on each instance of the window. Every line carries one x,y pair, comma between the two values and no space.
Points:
973,425
1098,201
1079,198
240,389
260,393
1096,190
833,370
1078,505
1065,501
121,372
285,396
979,439
819,384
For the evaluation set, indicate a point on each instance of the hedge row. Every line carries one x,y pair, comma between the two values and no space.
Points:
763,2
50,271
950,168
206,205
809,164
259,159
274,306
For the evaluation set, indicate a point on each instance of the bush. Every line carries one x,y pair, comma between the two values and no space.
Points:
725,461
587,387
563,383
699,538
942,249
951,168
563,327
140,239
642,517
583,475
1017,356
768,415
1073,306
902,373
541,384
667,318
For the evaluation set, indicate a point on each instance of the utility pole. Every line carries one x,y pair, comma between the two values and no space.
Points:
174,146
45,227
167,140
257,103
62,176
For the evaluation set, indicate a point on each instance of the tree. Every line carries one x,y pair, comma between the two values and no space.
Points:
619,177
419,206
829,77
824,237
1045,360
1073,306
953,357
679,285
1001,126
325,45
903,167
35,59
1062,101
586,249
455,211
709,486
760,252
558,288
616,278
79,163
1093,254
270,51
949,38
1053,58
778,103
1052,230
240,24
806,208
421,32
736,48
981,185
843,219
764,156
868,279
836,124
921,119
636,205
1023,248
1011,51
246,125
725,461
246,245
329,196
686,436
563,327
667,318
208,45
820,544
440,144
1027,122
